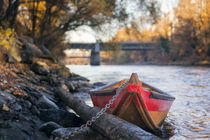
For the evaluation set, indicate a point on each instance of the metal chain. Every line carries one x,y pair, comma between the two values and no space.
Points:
98,115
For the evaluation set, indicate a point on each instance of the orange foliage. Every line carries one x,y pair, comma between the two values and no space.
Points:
183,33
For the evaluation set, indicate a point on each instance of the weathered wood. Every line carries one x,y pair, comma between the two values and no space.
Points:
107,124
85,134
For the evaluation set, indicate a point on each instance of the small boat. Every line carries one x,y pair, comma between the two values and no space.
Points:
138,102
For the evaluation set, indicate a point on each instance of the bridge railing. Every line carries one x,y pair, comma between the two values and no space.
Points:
114,46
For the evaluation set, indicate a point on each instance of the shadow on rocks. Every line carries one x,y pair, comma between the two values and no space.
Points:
61,117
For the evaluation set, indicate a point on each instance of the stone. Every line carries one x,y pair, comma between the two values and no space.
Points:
76,77
26,57
50,79
63,71
61,117
98,84
17,107
28,104
64,86
80,84
30,48
15,130
70,86
84,89
10,59
40,68
35,94
6,99
49,127
44,50
35,111
45,103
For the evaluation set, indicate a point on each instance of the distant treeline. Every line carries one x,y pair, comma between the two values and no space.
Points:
182,36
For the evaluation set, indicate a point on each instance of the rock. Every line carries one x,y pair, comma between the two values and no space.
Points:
15,130
10,59
17,107
84,89
5,100
70,86
61,117
51,80
98,84
28,104
44,50
45,103
80,84
26,57
30,48
64,86
63,71
49,127
76,77
35,94
40,68
35,111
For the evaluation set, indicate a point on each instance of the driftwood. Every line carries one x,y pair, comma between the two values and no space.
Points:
108,125
85,134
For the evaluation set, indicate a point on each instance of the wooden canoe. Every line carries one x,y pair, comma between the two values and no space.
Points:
138,103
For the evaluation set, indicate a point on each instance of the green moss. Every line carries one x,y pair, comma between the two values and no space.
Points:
63,71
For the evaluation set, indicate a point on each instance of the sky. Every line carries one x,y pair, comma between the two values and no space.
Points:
87,35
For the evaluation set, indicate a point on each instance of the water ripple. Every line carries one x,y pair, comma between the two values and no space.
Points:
189,117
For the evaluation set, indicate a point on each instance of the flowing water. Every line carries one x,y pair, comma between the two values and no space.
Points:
190,113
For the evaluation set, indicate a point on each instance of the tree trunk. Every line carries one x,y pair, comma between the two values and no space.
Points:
108,125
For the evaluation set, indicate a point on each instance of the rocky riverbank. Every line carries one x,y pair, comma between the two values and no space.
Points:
29,107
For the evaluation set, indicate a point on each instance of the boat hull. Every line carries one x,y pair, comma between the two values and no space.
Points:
136,105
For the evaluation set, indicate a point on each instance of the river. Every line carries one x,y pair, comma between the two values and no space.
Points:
190,112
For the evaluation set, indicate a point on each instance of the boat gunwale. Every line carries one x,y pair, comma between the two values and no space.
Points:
107,92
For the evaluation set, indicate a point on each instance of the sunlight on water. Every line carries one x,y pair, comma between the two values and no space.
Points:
190,112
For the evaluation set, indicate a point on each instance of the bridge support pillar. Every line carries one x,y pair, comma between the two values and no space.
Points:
95,55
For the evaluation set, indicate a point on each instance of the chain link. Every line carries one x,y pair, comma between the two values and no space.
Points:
98,115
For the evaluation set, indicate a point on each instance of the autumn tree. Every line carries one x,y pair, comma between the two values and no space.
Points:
47,21
190,41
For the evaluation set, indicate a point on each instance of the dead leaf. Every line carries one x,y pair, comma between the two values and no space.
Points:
5,107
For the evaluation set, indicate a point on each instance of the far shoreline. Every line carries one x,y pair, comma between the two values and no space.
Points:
150,64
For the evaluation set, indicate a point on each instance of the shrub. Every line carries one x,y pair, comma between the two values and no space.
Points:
8,43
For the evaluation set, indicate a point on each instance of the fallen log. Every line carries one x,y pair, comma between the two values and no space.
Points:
108,125
85,134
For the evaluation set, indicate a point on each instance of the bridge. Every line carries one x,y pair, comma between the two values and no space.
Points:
97,47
